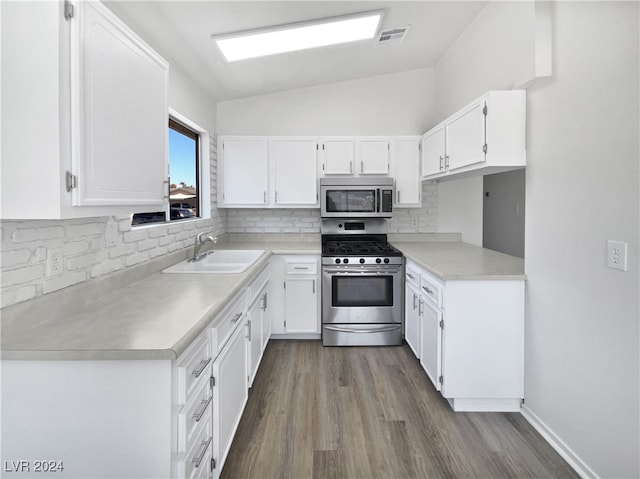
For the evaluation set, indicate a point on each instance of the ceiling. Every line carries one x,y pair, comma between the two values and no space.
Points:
181,31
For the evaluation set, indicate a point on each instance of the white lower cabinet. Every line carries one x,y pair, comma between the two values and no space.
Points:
230,394
412,310
259,322
295,296
472,340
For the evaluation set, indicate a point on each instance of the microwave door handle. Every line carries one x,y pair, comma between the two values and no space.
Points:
378,200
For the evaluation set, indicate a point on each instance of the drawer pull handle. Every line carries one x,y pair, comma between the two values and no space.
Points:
197,460
301,267
203,364
236,318
427,290
205,404
411,276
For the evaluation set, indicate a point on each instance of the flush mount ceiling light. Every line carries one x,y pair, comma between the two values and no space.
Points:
298,36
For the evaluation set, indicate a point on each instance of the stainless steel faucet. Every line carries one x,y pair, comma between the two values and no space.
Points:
199,243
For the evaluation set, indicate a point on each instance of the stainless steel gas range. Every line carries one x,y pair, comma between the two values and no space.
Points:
362,293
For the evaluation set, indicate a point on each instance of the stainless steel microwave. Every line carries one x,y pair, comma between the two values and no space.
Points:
346,197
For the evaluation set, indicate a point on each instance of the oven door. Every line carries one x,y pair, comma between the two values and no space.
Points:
350,202
362,294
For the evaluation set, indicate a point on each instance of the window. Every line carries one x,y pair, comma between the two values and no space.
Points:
184,178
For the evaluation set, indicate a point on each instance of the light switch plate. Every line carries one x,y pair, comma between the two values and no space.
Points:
617,255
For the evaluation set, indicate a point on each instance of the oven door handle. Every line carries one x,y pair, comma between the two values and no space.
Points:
374,270
347,330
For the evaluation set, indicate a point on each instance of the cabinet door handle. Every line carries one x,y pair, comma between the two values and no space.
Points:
264,301
420,310
361,166
205,445
205,404
203,364
427,290
398,196
249,330
264,198
415,296
441,160
314,287
276,197
446,161
235,319
350,166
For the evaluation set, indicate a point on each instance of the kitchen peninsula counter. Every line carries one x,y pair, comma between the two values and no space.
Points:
455,260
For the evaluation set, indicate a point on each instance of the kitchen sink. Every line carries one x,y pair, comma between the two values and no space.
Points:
219,262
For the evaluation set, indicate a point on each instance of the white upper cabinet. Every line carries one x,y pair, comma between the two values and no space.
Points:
261,172
433,154
100,112
405,152
338,155
294,171
121,151
487,136
372,155
244,171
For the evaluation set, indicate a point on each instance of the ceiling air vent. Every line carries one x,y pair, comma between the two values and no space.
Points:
392,36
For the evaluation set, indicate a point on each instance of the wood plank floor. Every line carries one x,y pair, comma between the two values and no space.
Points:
317,412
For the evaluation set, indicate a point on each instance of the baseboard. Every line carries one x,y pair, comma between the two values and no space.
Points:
558,444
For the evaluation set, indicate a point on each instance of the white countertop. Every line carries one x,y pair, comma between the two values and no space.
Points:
454,260
159,315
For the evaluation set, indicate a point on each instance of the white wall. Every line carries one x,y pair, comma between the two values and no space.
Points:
396,104
582,333
460,208
582,346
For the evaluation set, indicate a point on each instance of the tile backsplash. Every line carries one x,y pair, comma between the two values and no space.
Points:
405,220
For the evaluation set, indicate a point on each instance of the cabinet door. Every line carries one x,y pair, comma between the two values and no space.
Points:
433,154
254,349
230,392
431,340
407,172
412,319
301,299
465,138
337,156
372,155
245,167
119,113
295,172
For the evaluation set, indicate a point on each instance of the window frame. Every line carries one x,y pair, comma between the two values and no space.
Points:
203,171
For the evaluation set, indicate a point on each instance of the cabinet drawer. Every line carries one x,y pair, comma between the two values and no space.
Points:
302,267
194,367
412,274
225,324
194,414
196,462
431,288
257,285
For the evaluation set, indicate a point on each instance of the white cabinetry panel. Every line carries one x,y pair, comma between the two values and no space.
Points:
245,170
338,156
295,171
372,155
406,160
121,154
465,137
433,151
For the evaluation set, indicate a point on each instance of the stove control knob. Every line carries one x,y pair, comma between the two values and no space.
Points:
386,260
337,260
378,260
346,260
361,260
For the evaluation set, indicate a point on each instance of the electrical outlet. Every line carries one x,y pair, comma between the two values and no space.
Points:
617,255
54,262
